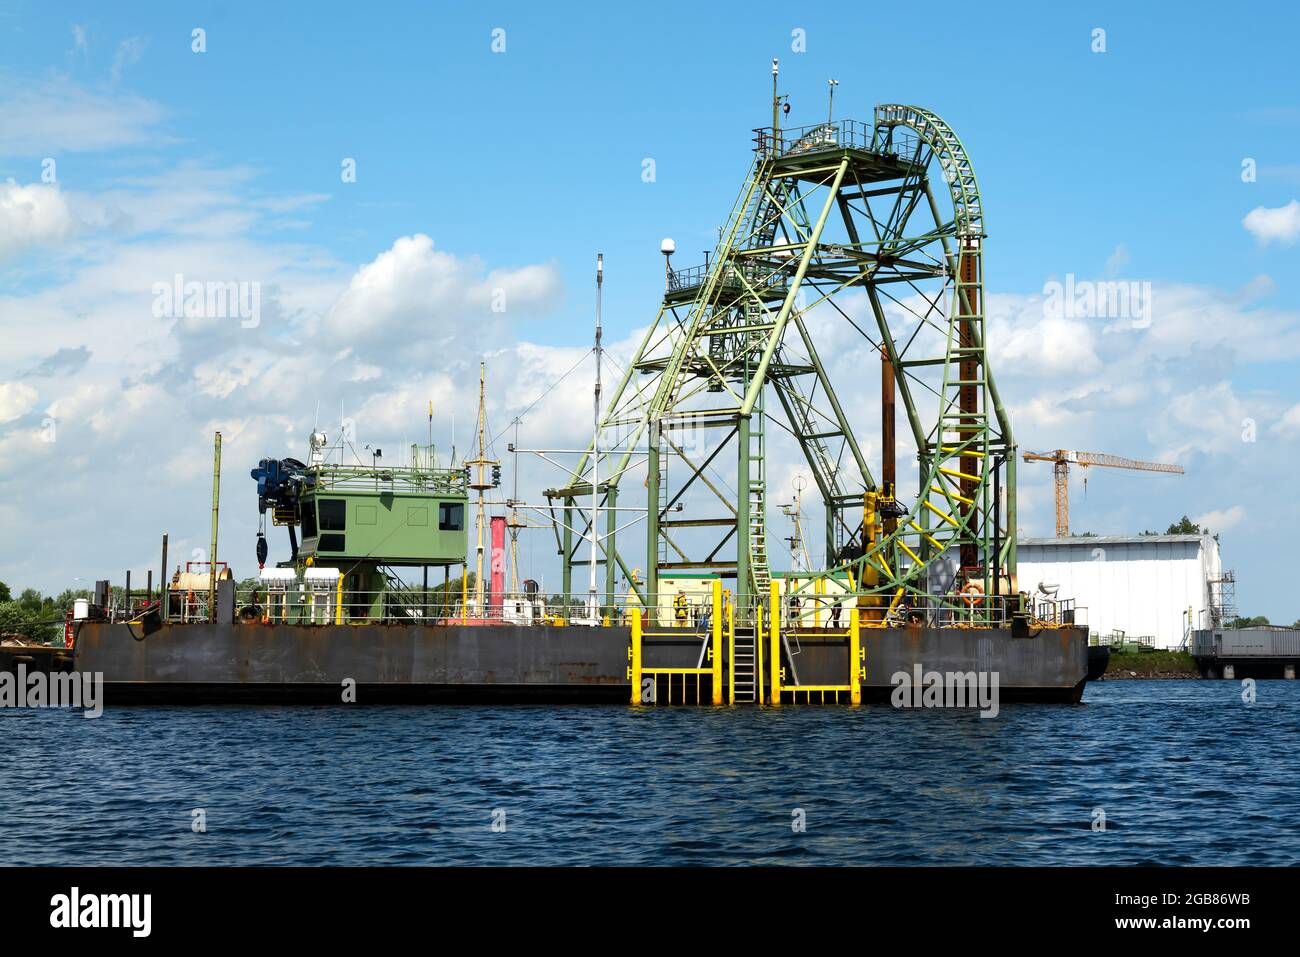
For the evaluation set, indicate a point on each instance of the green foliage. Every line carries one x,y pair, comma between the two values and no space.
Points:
16,619
1185,527
4,593
1156,661
1255,622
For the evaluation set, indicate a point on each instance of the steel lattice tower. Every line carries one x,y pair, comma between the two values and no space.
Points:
879,227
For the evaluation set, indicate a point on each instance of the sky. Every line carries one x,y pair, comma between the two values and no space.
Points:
381,175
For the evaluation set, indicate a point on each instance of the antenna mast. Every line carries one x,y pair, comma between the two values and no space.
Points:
593,603
480,482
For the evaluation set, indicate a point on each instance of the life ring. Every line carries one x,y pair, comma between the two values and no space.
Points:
972,594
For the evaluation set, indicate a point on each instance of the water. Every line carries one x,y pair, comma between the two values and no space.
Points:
1184,770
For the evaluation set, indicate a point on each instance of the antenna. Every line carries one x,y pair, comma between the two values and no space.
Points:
667,247
830,113
592,601
776,102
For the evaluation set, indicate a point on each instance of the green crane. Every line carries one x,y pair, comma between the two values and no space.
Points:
847,237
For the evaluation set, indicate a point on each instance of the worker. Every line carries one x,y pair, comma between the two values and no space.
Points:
835,615
680,609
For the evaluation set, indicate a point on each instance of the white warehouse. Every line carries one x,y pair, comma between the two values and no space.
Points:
1141,585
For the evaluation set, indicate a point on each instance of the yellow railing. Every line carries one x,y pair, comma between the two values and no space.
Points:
852,689
638,671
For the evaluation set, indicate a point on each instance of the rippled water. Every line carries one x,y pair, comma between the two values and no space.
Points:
1184,770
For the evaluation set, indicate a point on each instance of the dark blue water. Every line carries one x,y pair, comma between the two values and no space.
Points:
1184,770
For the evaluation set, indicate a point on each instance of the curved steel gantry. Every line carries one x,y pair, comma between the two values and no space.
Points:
849,248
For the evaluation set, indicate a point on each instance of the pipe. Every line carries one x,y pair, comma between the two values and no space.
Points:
496,601
164,590
216,501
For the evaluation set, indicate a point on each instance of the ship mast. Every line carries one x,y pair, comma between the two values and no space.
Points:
480,482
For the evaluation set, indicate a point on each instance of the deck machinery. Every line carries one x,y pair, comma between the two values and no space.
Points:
365,521
847,241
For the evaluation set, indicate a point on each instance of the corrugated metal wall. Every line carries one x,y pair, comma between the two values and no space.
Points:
1141,585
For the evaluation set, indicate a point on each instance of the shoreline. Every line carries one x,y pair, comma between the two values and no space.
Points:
1170,665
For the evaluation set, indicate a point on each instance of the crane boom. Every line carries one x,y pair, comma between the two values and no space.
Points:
1114,461
1064,458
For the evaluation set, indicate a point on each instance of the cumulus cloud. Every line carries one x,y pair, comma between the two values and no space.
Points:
32,215
423,298
1288,424
1220,520
1279,224
16,400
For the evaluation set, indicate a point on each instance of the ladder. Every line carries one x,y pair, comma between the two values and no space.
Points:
744,666
663,506
759,572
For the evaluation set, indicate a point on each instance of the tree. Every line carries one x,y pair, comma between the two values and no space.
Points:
1257,621
17,620
30,599
4,593
1184,526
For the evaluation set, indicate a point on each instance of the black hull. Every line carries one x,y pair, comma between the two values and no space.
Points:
453,664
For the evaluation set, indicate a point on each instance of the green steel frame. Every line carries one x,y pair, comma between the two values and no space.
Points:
840,222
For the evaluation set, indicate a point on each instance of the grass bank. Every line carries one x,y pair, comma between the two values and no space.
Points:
1152,664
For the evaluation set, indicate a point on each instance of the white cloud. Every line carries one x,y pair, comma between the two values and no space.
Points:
48,117
411,300
1117,260
1280,224
32,215
16,400
1221,520
128,52
1288,425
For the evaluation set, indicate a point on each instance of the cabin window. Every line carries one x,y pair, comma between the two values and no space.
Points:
333,514
309,521
451,516
331,543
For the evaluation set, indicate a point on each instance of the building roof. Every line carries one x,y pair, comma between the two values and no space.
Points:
1113,540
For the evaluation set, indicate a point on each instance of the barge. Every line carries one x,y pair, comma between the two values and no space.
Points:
203,663
909,584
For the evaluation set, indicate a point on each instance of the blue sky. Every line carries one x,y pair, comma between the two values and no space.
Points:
1121,164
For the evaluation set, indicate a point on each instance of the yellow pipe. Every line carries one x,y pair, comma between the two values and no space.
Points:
903,545
956,451
898,596
338,603
855,656
758,649
717,641
636,656
926,535
819,589
961,475
464,594
776,643
941,513
951,494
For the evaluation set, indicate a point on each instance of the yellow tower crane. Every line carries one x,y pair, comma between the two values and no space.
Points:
1063,459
